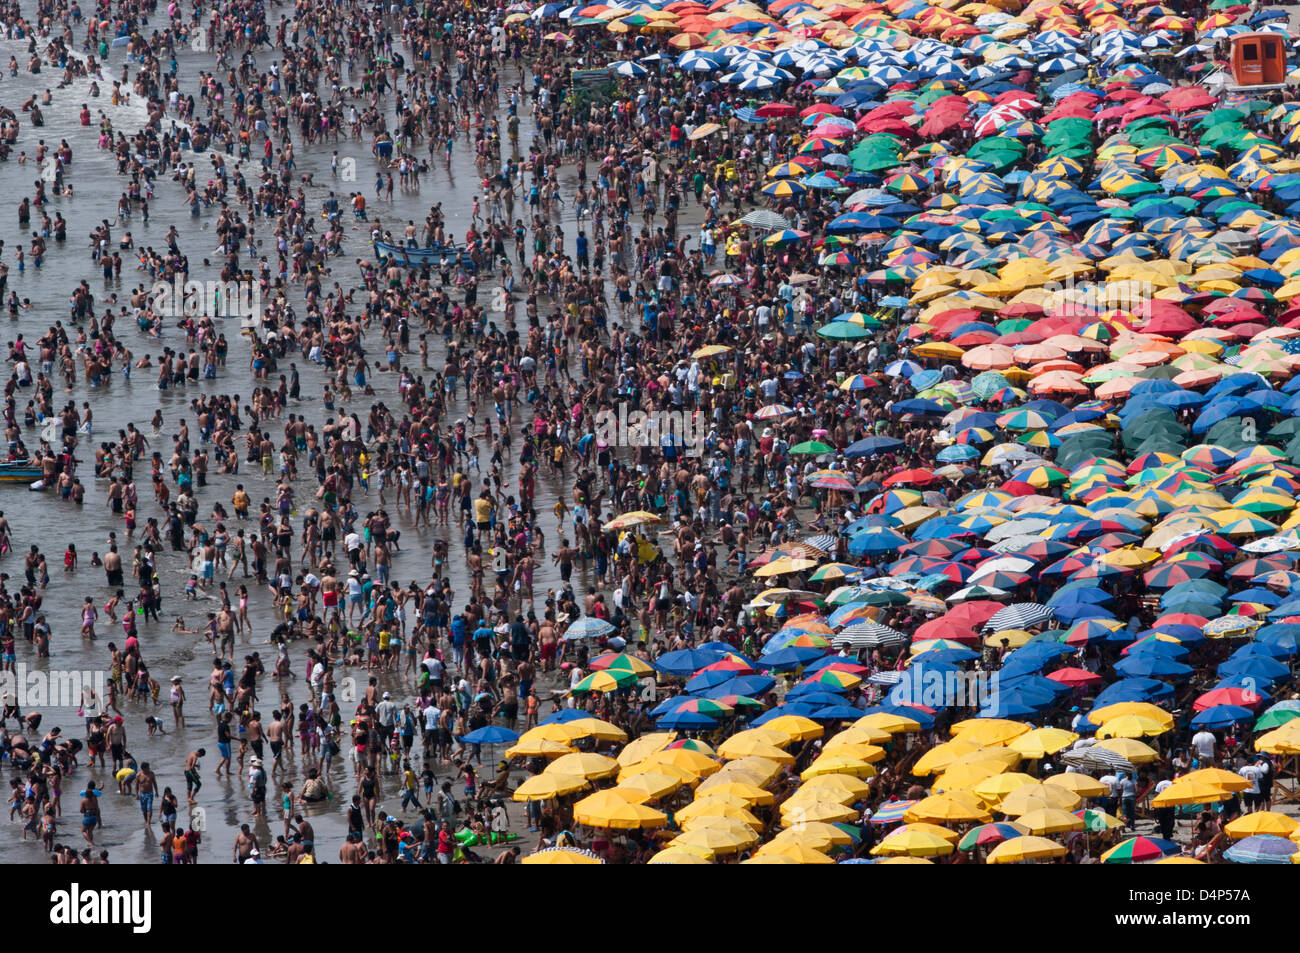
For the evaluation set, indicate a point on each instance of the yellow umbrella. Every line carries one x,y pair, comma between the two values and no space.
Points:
885,721
968,774
913,843
808,795
1284,740
1080,784
733,825
562,856
643,747
607,809
796,727
1262,822
583,764
761,769
860,734
788,852
1018,849
738,747
1131,726
1194,792
816,834
950,807
838,764
717,807
765,735
561,734
993,789
710,350
858,750
1130,749
1046,820
1041,742
1099,716
633,518
676,855
716,839
703,131
840,784
699,765
649,786
595,728
941,756
541,748
747,792
1030,797
546,787
905,860
988,731
1227,780
794,814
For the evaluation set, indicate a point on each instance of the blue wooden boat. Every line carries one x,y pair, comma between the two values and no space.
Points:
25,475
433,256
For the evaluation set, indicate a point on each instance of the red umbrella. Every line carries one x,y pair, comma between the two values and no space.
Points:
1017,488
934,548
1188,97
818,108
973,613
893,110
1257,567
1074,677
917,477
1227,696
945,628
1175,325
1180,618
778,110
1021,309
974,338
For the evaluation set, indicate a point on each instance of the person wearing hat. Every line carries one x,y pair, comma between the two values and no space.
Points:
257,787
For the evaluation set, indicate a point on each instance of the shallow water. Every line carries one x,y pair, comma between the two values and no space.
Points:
52,524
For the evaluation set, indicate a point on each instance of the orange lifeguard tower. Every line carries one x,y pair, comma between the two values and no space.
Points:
1258,61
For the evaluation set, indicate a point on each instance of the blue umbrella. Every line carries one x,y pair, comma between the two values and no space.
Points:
1222,716
1261,849
563,716
686,720
1254,666
754,686
1151,665
788,658
490,735
706,680
686,661
871,445
1132,690
588,627
839,712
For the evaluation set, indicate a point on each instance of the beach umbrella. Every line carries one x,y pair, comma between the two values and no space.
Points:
1261,849
1028,847
1139,849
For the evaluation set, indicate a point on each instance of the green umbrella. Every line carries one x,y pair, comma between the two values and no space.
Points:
1275,718
844,330
813,447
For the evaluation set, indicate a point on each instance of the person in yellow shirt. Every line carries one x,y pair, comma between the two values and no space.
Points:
483,513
